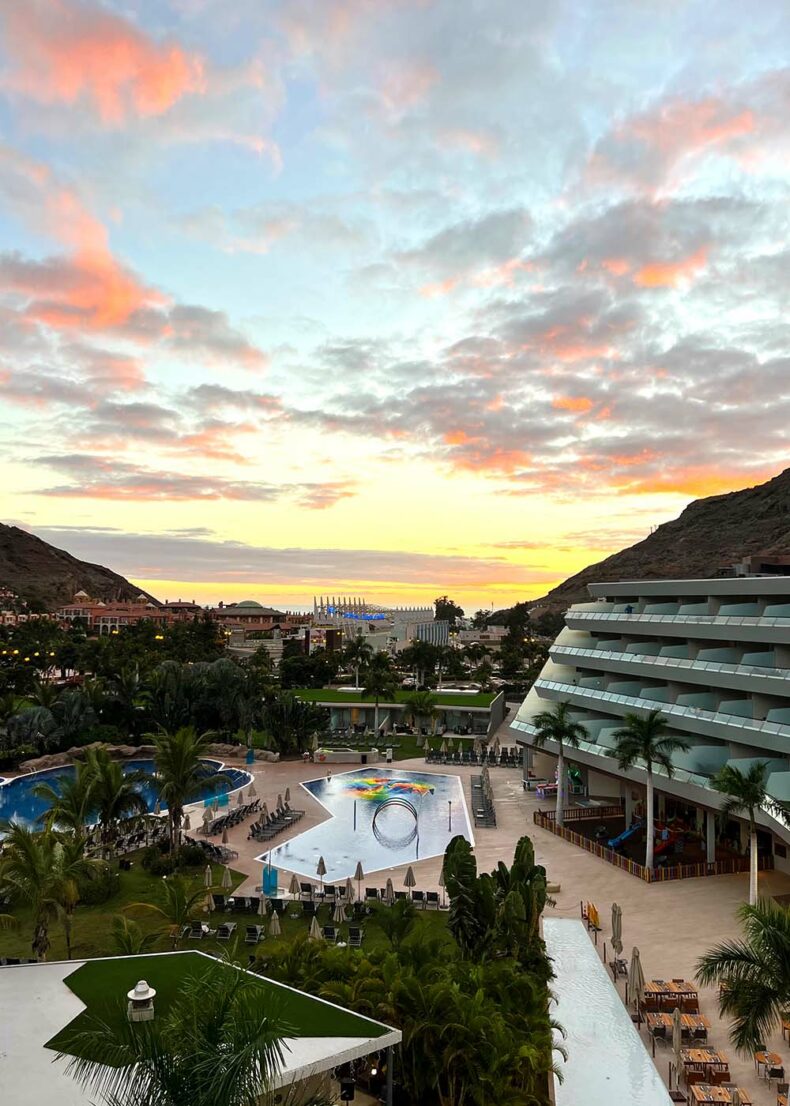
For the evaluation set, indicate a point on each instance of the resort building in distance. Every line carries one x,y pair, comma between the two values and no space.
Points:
713,655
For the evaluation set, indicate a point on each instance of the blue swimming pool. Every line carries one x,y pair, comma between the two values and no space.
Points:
382,817
19,804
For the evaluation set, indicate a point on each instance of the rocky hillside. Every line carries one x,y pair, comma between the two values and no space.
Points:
48,577
709,535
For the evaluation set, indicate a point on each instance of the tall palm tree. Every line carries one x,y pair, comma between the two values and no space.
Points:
558,726
114,794
43,870
421,704
753,974
128,939
744,794
179,905
181,771
379,681
647,738
357,653
69,801
219,1042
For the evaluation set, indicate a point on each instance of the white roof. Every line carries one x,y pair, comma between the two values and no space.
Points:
37,1004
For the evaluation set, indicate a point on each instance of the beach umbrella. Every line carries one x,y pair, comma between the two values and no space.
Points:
287,794
315,933
408,879
636,978
240,797
225,836
339,914
389,893
677,1038
294,887
227,879
208,877
314,741
262,818
496,747
274,925
263,906
187,824
477,748
359,875
450,745
443,747
350,889
252,793
215,806
321,871
617,928
441,884
265,811
279,802
157,808
207,816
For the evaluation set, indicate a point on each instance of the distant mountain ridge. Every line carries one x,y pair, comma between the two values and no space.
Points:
44,575
709,535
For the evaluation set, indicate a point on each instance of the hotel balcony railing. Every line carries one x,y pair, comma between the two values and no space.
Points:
680,619
681,775
672,710
779,674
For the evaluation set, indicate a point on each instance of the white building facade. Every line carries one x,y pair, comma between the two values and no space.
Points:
712,655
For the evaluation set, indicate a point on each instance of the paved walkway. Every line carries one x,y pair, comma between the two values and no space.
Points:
671,923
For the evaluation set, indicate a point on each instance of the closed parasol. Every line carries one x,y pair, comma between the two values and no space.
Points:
294,887
408,879
315,933
227,879
274,925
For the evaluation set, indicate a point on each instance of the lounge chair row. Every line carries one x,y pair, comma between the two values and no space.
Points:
482,804
232,818
274,824
217,854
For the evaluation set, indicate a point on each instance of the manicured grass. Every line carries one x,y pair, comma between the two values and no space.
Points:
443,699
103,986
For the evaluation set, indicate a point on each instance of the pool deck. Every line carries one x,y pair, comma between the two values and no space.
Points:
671,923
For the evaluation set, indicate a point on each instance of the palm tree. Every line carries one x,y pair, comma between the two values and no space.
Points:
178,907
219,1042
745,793
43,870
114,794
43,695
357,653
421,704
646,738
128,939
379,681
69,801
559,727
753,974
181,772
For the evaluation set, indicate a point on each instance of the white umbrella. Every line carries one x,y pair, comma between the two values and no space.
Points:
349,890
252,793
279,802
157,808
359,875
677,1038
442,884
321,871
477,748
617,928
208,877
443,747
294,887
339,914
227,879
450,745
187,825
389,893
287,794
315,933
207,816
225,836
314,742
264,811
636,978
496,747
240,797
409,880
274,925
263,906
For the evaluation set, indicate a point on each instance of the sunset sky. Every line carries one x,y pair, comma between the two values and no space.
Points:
387,297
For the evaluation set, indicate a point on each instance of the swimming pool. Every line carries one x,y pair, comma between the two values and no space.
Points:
382,817
19,804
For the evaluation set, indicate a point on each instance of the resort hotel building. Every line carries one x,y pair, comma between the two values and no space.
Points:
713,656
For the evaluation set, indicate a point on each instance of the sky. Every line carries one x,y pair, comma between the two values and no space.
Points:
389,298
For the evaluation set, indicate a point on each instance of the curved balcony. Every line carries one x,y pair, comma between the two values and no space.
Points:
750,628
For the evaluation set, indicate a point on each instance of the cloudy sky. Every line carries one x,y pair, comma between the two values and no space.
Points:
387,296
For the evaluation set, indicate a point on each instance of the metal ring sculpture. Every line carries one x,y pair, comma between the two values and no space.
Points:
395,842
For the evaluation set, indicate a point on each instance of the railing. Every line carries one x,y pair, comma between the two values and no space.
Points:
688,619
673,662
547,820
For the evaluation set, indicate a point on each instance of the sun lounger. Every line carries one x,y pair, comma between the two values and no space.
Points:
329,934
418,897
432,898
253,935
225,931
355,936
219,901
196,932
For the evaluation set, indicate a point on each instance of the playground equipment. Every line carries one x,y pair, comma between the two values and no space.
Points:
619,841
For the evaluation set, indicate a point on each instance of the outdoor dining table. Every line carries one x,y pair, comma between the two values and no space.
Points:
785,1028
708,1093
689,1022
781,1100
704,1058
767,1060
670,992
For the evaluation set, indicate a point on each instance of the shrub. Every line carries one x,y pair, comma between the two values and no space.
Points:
191,856
156,862
99,889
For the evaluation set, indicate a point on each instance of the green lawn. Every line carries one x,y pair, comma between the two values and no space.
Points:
103,987
443,699
92,935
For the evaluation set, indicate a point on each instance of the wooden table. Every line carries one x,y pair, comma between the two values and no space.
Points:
689,1022
667,991
785,1029
767,1060
708,1093
704,1057
781,1100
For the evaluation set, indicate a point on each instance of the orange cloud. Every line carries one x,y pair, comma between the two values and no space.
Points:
480,143
577,404
67,51
438,287
670,274
680,127
617,266
696,482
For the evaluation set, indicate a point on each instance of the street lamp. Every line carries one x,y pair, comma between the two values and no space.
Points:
450,814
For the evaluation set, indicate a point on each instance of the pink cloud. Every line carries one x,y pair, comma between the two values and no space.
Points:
71,51
671,274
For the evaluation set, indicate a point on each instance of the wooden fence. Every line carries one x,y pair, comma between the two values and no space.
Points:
547,820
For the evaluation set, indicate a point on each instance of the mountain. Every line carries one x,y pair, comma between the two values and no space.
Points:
710,535
48,577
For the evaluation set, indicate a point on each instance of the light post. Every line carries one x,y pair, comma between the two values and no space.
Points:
450,814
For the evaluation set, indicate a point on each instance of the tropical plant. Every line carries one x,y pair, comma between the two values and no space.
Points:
421,704
114,794
128,938
647,739
357,653
181,771
43,871
421,656
69,800
745,793
396,921
220,1042
179,906
753,974
379,682
560,728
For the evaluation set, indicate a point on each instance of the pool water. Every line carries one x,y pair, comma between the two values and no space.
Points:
19,804
382,817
